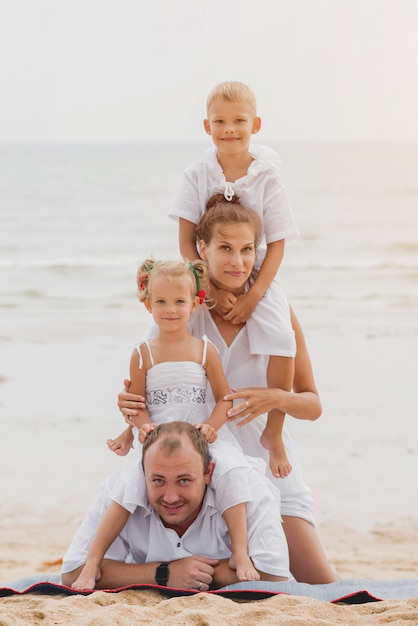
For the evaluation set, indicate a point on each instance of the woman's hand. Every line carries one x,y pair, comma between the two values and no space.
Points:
130,403
254,402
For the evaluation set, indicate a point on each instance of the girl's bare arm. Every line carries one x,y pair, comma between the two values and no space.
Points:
138,386
220,388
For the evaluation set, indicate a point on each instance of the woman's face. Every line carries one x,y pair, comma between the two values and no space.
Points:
230,255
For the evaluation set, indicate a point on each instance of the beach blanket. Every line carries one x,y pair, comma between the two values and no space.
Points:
348,591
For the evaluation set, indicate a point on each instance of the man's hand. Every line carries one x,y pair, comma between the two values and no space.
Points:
193,572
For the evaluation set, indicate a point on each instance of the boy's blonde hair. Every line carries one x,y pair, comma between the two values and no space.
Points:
233,91
195,271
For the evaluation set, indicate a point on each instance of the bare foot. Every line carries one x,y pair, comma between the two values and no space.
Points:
122,444
87,579
279,463
244,567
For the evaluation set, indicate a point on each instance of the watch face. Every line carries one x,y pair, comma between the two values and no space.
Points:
161,574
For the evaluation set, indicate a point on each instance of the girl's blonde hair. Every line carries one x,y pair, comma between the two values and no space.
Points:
195,271
233,91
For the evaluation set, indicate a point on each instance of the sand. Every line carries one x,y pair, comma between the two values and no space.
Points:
387,553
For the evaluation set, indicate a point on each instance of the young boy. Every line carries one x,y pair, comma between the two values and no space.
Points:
234,167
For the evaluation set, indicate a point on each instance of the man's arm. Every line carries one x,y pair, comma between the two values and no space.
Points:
187,573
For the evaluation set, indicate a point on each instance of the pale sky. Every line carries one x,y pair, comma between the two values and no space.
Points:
140,70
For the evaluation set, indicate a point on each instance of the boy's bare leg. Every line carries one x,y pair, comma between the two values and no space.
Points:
236,520
123,443
279,375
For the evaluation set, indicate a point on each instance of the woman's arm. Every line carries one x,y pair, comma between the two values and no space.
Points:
129,403
302,402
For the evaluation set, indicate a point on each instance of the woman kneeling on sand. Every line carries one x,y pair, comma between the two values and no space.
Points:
228,235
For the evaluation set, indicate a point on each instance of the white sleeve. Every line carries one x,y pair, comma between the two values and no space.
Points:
192,196
278,219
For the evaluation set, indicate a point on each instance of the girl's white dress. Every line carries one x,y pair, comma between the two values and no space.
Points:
177,390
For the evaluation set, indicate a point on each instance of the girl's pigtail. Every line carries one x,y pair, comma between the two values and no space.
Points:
201,273
142,279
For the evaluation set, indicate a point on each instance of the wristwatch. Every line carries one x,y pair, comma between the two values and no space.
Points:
162,574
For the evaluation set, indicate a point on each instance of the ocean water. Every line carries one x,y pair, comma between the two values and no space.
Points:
77,219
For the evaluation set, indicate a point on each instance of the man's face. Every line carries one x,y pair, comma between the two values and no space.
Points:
176,483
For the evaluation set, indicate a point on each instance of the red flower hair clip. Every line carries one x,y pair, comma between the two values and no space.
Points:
201,294
143,281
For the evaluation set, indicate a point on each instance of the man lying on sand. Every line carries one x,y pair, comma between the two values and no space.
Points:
177,537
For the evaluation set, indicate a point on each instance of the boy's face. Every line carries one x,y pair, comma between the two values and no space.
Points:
231,124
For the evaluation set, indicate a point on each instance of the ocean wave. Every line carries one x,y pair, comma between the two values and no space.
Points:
405,246
357,264
69,263
292,262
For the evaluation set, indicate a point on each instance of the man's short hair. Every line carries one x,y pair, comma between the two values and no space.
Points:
169,435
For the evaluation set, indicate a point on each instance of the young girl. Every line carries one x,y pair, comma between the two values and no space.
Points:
235,167
172,371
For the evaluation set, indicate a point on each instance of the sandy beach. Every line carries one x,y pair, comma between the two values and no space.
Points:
389,552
